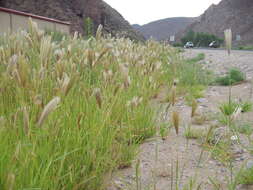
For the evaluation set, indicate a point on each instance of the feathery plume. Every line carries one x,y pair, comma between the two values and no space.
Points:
51,106
194,107
99,32
26,120
98,96
175,121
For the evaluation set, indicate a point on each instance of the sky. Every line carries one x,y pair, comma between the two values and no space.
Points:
145,11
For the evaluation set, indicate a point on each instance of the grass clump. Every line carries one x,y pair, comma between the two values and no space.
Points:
228,108
244,128
246,106
194,133
233,77
244,48
246,177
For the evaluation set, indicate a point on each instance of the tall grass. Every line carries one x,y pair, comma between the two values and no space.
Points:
73,111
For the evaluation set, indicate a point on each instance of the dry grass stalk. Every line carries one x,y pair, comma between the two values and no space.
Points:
175,121
173,96
26,120
98,96
90,57
37,100
228,40
124,70
2,121
65,84
194,108
101,55
45,49
236,113
51,106
10,181
99,32
135,101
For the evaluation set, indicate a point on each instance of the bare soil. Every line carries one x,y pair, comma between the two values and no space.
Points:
160,159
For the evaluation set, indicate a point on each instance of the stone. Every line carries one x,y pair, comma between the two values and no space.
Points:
249,164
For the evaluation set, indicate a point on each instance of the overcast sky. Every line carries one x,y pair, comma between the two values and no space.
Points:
145,11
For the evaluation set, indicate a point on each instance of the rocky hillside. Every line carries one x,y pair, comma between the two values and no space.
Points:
75,11
234,14
163,29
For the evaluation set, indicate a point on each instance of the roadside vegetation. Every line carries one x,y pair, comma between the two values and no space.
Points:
244,48
73,110
200,39
234,76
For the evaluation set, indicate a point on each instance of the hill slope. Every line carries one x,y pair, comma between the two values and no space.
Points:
76,11
162,29
234,14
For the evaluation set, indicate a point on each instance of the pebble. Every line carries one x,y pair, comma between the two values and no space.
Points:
249,164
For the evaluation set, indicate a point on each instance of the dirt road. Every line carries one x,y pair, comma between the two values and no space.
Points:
220,62
161,160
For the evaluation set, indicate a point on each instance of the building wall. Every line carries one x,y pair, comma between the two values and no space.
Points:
11,22
5,22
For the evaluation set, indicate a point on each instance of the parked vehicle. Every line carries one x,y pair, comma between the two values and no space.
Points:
189,45
214,44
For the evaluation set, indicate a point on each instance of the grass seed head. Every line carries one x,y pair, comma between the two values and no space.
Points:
236,113
51,106
98,96
26,120
194,107
65,84
175,121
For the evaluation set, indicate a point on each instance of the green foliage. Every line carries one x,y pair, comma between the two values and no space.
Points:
193,133
56,35
200,39
246,106
246,177
244,128
244,48
233,77
101,115
178,44
199,57
228,108
88,27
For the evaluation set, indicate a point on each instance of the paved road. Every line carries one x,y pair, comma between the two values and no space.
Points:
217,49
220,62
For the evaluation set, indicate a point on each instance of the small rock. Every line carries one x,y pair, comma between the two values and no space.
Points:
202,100
249,164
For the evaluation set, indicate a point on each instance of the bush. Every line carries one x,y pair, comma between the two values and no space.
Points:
244,48
88,27
178,44
233,77
200,39
56,35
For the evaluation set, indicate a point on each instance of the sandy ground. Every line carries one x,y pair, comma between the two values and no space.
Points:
159,159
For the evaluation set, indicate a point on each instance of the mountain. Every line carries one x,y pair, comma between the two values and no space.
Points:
163,29
75,11
234,14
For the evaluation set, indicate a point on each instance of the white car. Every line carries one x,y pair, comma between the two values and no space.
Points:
189,45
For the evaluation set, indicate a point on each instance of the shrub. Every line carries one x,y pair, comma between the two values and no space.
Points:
233,77
229,108
246,176
56,35
88,27
200,39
